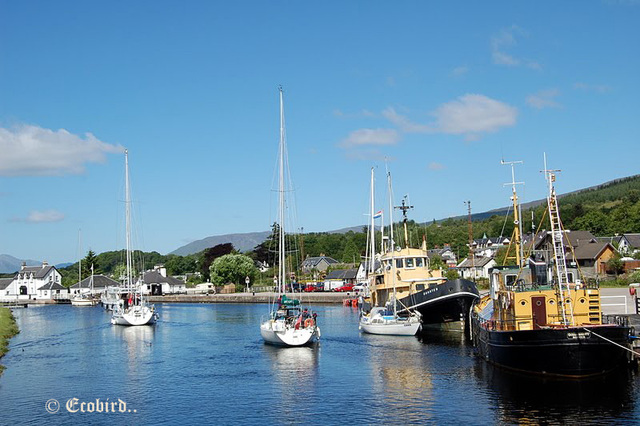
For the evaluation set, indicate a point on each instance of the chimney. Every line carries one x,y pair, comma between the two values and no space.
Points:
24,265
45,264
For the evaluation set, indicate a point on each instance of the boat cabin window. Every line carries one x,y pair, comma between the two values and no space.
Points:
419,287
570,277
510,279
419,262
398,263
409,262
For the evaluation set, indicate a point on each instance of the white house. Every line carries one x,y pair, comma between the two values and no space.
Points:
478,267
100,284
36,282
158,283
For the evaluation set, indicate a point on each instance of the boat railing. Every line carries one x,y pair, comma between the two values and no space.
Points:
622,320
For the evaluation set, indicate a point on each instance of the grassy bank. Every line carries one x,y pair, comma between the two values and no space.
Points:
8,329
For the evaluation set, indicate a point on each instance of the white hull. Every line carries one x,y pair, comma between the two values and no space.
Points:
83,302
377,322
404,328
135,315
276,333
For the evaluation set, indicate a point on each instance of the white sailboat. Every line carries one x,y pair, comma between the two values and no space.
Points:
287,324
134,308
85,299
385,319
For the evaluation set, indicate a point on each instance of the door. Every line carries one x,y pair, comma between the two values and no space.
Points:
538,311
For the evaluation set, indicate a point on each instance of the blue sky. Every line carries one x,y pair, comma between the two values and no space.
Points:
443,90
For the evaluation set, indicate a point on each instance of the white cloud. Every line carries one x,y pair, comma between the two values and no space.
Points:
602,88
458,71
371,137
29,150
504,42
473,114
544,99
436,166
41,217
403,123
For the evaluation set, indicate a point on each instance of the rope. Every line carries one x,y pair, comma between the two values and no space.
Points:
611,341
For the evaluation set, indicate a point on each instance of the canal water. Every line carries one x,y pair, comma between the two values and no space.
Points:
207,364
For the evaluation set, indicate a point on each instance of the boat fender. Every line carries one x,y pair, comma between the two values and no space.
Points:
632,291
308,323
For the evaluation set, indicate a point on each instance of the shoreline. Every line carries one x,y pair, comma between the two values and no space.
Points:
8,329
264,297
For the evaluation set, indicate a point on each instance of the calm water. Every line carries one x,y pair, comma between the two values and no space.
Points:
207,364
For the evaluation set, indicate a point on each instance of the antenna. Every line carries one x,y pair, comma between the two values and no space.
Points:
516,236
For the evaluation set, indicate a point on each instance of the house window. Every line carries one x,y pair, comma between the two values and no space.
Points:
45,292
23,290
570,277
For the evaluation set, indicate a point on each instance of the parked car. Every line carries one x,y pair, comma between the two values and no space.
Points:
310,288
347,287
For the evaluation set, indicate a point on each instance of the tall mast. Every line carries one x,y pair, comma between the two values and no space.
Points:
404,208
392,244
127,203
281,203
372,228
517,213
558,245
79,261
472,255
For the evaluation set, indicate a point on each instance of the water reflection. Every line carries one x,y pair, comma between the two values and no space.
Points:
530,399
401,377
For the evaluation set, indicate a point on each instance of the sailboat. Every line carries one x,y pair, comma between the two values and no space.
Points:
85,299
287,324
540,318
134,308
385,319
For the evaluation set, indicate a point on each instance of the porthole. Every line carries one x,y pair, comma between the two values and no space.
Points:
538,303
583,300
552,302
523,302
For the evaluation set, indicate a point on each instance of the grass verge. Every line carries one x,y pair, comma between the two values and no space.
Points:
8,329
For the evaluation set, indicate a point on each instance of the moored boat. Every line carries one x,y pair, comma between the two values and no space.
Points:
405,272
540,318
287,324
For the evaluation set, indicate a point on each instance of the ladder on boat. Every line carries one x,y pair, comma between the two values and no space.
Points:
559,254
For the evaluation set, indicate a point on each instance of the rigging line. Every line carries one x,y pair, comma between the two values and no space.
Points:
611,341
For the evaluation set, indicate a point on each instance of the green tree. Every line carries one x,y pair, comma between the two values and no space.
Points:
233,268
89,259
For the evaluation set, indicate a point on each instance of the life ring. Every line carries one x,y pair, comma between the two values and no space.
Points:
308,322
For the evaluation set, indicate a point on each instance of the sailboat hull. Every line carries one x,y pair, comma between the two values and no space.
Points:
135,315
274,333
564,352
408,329
83,302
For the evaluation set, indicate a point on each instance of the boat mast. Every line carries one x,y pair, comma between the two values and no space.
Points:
79,261
281,201
127,203
391,242
404,208
372,229
516,237
558,245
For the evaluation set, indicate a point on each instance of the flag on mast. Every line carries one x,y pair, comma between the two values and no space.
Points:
377,215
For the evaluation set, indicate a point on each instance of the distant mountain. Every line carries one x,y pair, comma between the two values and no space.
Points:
10,264
241,242
63,265
246,242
